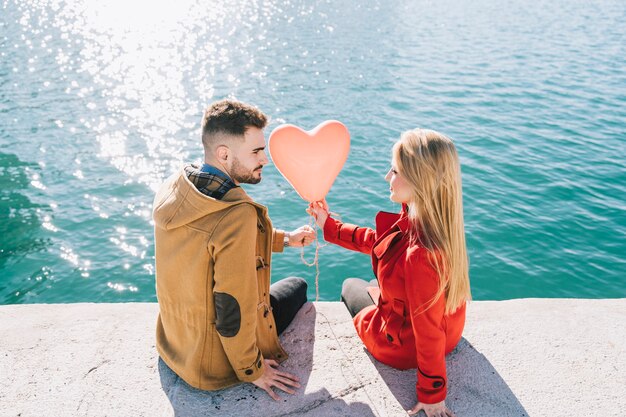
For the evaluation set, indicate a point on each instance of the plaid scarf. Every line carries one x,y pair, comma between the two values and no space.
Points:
209,180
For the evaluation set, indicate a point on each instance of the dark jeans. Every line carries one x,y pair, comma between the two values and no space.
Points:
355,296
286,298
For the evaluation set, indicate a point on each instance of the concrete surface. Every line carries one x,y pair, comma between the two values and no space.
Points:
537,357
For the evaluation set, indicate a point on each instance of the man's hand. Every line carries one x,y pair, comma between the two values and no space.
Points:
275,378
302,236
432,410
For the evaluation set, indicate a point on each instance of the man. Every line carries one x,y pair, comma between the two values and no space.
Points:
219,320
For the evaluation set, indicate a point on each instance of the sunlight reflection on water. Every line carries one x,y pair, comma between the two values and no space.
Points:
100,101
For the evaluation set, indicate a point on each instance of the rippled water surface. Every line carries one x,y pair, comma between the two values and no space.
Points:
101,101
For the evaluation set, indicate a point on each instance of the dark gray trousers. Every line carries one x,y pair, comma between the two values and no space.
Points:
355,296
286,298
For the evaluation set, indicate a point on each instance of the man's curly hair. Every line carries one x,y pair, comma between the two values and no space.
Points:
231,118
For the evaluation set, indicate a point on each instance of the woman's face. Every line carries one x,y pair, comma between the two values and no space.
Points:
398,185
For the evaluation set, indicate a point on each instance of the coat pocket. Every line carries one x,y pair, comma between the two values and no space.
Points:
395,322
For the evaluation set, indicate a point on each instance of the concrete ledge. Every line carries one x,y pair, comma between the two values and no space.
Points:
539,357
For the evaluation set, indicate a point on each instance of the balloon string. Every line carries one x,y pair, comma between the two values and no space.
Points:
315,259
315,262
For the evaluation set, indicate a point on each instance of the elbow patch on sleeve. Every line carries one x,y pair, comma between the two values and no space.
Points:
228,314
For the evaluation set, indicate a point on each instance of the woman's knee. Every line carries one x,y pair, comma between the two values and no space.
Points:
350,285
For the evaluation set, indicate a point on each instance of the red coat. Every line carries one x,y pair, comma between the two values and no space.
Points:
398,332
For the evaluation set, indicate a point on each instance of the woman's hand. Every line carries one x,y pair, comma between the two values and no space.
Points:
432,410
302,236
319,211
272,377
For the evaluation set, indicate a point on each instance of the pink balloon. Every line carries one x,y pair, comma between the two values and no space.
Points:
311,160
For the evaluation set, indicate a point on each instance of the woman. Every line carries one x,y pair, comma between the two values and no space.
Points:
417,314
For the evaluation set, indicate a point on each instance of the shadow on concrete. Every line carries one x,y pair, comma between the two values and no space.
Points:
298,340
475,388
248,400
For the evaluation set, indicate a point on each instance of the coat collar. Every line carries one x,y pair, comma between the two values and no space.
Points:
386,220
390,227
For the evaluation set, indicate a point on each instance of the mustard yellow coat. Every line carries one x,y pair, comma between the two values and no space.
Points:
213,262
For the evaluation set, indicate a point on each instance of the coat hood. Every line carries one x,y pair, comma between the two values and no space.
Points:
178,202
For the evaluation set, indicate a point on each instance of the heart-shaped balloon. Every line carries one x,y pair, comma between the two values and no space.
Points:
311,160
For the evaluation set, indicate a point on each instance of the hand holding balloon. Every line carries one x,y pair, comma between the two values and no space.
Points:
319,211
310,162
302,236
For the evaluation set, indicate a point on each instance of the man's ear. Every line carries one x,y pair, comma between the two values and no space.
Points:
222,153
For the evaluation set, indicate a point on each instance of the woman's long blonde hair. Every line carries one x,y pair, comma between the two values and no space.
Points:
429,161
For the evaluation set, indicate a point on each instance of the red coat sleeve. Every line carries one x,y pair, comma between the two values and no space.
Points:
349,236
422,284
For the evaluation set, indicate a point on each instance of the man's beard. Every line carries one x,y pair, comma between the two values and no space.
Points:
239,173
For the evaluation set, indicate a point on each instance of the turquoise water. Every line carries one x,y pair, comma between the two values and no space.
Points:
100,102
